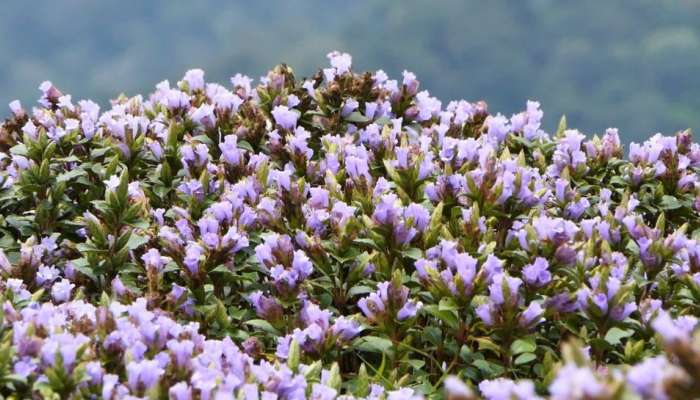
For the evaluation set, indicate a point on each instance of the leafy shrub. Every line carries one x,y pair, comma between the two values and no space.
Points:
342,235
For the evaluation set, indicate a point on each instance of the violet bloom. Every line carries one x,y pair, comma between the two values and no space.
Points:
222,211
181,351
144,374
153,260
387,210
456,389
230,151
118,287
357,167
537,273
302,265
502,286
180,391
574,382
285,117
45,274
61,290
297,144
194,79
345,328
265,307
112,183
649,378
318,198
418,214
65,344
192,188
281,178
674,330
485,312
506,389
193,256
531,316
409,310
341,62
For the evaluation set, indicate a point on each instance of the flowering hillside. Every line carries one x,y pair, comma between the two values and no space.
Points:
347,235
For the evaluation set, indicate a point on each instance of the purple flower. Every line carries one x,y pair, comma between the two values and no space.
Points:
180,391
671,330
298,143
497,127
409,310
387,211
318,198
118,287
229,150
357,167
532,315
45,275
285,117
153,260
346,328
573,382
112,183
194,79
181,351
506,389
281,178
61,290
65,344
302,265
419,215
193,255
341,62
222,211
204,115
537,273
456,389
144,374
504,285
16,107
485,313
649,378
601,301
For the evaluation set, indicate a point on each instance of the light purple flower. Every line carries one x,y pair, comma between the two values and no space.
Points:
61,290
285,117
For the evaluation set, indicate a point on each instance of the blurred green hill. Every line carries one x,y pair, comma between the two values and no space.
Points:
630,64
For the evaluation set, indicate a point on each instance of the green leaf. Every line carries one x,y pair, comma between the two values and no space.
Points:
447,304
359,289
525,358
373,344
416,364
447,317
413,253
367,242
136,241
242,144
488,368
670,203
264,325
615,335
66,176
357,117
562,126
524,345
488,344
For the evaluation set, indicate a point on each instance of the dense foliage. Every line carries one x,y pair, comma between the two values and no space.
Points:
345,235
631,64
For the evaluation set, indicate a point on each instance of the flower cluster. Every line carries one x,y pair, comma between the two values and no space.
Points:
345,235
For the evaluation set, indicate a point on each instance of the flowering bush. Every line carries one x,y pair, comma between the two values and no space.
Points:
344,235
